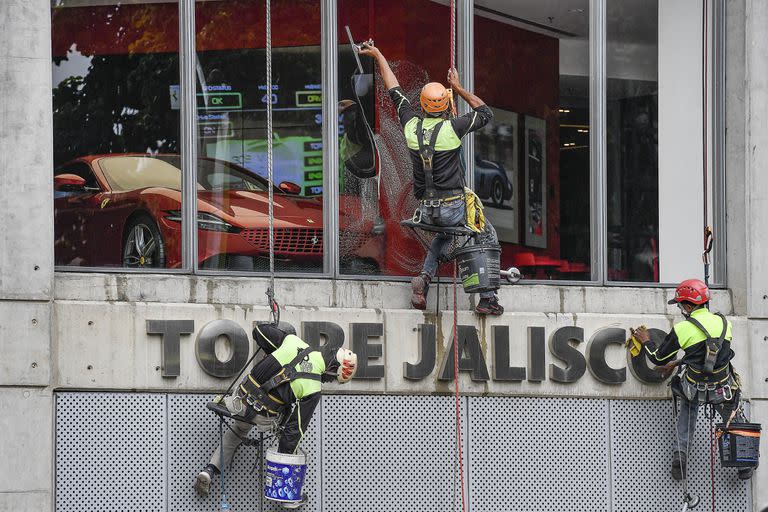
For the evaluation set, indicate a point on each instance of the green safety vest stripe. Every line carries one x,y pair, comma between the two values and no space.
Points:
447,140
689,335
291,346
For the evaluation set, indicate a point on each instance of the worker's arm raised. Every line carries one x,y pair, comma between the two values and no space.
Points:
453,81
390,81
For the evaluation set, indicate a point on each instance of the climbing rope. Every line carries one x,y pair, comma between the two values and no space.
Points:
708,238
712,452
453,33
274,308
459,448
456,388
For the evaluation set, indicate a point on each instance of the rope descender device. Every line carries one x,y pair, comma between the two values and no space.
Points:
274,307
709,240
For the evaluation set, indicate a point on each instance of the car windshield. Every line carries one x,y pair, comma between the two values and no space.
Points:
133,172
126,173
221,175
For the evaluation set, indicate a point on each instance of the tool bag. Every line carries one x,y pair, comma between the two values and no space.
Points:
260,397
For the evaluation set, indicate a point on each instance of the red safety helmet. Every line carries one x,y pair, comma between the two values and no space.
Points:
693,291
434,98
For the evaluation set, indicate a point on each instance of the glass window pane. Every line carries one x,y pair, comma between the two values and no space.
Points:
532,167
655,142
376,182
233,221
115,77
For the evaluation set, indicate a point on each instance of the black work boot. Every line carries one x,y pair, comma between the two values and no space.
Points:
746,473
203,480
679,465
419,287
489,307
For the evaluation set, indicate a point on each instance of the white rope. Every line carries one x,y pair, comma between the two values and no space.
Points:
270,175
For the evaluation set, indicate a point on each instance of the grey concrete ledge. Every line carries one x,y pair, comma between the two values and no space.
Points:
317,293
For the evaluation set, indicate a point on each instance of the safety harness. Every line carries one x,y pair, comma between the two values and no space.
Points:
433,199
260,397
710,385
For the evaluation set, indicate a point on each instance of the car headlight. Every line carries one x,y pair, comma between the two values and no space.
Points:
206,221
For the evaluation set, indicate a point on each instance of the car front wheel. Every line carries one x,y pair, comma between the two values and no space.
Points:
497,192
143,244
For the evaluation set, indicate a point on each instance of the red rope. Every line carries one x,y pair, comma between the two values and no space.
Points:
704,110
456,388
453,34
712,453
455,314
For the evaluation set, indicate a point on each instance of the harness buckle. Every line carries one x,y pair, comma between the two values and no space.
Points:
417,216
253,402
727,392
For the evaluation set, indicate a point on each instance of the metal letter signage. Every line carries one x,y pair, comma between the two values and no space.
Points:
569,363
501,368
171,341
639,365
205,348
428,352
536,361
596,355
474,363
314,332
365,351
560,347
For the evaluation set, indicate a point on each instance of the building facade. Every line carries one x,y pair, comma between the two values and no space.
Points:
128,287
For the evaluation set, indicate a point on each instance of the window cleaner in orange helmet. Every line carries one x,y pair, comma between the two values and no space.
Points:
705,374
278,395
433,138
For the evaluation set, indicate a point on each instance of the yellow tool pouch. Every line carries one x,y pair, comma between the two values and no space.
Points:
475,215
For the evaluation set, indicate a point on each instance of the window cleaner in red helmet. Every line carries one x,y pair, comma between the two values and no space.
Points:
433,138
704,373
278,395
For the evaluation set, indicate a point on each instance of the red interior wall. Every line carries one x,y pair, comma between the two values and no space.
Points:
515,69
519,71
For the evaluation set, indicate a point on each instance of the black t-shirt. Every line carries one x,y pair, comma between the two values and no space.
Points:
446,165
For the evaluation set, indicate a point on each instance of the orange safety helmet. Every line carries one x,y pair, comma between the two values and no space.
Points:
434,98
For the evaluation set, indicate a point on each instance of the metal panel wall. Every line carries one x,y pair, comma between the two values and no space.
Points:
390,453
193,433
643,438
110,452
530,454
138,452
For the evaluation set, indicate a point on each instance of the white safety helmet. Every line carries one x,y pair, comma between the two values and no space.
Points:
347,365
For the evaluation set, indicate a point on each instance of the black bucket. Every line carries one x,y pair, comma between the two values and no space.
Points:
478,267
739,444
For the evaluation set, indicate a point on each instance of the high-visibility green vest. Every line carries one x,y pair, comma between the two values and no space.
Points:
447,140
291,346
689,335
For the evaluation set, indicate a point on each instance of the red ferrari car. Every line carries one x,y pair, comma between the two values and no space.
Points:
125,210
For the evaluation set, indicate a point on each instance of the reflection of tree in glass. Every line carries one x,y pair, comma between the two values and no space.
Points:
122,103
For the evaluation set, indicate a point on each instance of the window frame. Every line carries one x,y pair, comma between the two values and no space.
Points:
189,147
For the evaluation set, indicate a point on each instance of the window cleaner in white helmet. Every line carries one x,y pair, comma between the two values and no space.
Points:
278,395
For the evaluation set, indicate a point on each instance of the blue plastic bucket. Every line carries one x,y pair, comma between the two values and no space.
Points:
284,476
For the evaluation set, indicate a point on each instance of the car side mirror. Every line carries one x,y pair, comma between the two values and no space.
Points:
289,188
68,183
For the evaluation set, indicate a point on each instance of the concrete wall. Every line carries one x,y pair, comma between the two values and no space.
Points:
26,255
